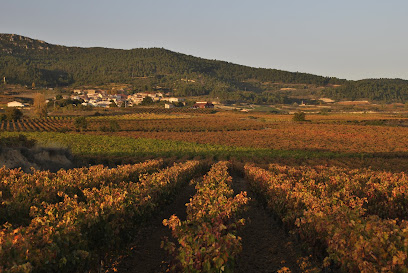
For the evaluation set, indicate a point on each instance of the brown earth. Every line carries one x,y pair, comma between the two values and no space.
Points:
266,247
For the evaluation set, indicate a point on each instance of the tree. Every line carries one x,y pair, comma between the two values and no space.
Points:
40,106
13,113
299,116
81,123
146,101
113,104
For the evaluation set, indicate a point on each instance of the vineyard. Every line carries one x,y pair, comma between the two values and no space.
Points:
353,220
209,192
137,123
67,221
328,133
356,218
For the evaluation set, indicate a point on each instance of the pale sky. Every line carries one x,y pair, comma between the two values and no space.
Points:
346,39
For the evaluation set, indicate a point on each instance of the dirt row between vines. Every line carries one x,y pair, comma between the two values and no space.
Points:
265,245
145,254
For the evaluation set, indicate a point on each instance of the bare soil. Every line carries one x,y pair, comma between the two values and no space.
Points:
266,247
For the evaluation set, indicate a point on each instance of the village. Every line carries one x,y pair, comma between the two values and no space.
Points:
69,101
108,99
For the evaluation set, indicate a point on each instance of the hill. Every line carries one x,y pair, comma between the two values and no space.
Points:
24,60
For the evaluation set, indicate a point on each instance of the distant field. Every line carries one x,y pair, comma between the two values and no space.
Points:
142,116
120,146
290,136
333,133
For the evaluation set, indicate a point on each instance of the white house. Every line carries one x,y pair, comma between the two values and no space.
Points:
90,92
176,99
104,104
172,99
15,104
136,99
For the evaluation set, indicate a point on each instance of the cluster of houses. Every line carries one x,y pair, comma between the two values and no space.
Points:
137,98
101,98
98,98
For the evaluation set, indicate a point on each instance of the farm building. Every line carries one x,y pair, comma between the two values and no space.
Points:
15,104
203,104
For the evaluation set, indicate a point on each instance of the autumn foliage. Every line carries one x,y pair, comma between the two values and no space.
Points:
66,222
356,217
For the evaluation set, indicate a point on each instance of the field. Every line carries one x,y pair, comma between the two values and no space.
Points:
211,192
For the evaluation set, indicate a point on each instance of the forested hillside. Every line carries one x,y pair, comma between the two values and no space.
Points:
24,61
385,90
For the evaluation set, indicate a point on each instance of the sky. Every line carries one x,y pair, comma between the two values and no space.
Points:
345,39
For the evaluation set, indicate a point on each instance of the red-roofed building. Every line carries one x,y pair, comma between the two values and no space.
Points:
203,105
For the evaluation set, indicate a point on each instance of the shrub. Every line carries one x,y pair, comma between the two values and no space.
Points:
13,114
81,123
